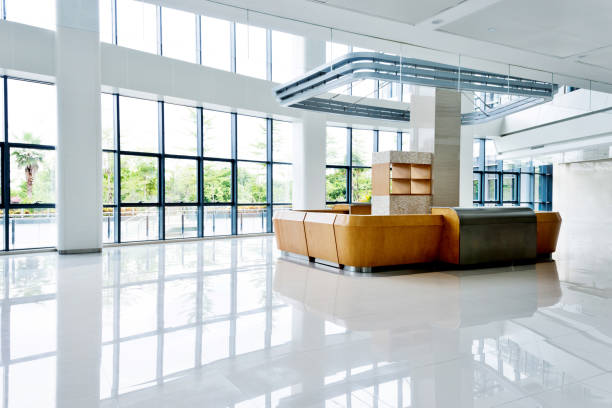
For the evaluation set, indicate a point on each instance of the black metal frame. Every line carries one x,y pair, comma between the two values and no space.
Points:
6,146
529,173
201,159
350,166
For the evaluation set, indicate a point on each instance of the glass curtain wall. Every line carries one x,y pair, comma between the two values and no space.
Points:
186,172
509,183
242,48
28,135
349,162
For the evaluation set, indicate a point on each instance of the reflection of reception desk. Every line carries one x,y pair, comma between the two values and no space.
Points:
417,296
460,236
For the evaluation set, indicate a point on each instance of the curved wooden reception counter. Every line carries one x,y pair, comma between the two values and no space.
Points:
452,235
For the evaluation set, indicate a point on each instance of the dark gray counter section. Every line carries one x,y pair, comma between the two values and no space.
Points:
496,234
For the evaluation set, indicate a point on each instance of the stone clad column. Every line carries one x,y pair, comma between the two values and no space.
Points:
446,168
79,149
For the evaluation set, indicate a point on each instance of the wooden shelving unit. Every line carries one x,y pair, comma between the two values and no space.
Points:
401,179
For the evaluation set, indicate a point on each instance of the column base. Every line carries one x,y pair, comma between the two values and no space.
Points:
79,251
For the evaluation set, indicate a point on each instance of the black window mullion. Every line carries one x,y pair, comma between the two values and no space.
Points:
114,21
234,129
269,55
6,168
198,40
375,141
232,46
161,172
269,174
117,164
349,175
200,177
158,24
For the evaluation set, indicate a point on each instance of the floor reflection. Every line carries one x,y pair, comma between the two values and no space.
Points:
227,323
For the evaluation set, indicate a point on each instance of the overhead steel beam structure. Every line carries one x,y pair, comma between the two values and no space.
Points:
306,91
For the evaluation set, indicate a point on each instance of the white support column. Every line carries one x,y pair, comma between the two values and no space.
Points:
309,144
79,331
79,154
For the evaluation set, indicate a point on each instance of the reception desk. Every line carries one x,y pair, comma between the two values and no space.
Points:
460,236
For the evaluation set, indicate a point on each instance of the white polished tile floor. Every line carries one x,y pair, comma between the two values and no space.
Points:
228,323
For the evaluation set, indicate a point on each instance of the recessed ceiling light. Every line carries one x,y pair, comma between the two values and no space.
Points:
437,21
491,29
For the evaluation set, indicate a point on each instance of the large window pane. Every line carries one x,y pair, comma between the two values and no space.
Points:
282,141
476,154
138,179
32,228
108,224
509,187
32,114
217,220
491,187
335,185
181,222
336,145
287,56
387,141
106,21
108,138
252,182
136,25
252,219
490,154
282,177
362,147
476,187
361,185
181,178
526,192
217,182
39,13
366,88
180,135
32,176
217,134
138,124
139,223
251,51
335,50
406,146
179,34
216,43
108,178
251,138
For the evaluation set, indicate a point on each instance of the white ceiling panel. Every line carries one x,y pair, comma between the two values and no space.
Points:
405,11
560,28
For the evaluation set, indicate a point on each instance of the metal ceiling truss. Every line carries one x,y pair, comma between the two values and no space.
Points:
305,92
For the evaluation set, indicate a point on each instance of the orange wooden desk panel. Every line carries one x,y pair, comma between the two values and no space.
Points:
290,235
549,224
366,241
449,243
320,238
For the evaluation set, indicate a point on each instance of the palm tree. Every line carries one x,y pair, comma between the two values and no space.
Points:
28,160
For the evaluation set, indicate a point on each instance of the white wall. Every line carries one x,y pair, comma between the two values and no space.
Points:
582,194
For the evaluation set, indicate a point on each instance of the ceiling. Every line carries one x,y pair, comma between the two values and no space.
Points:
405,11
565,29
558,28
